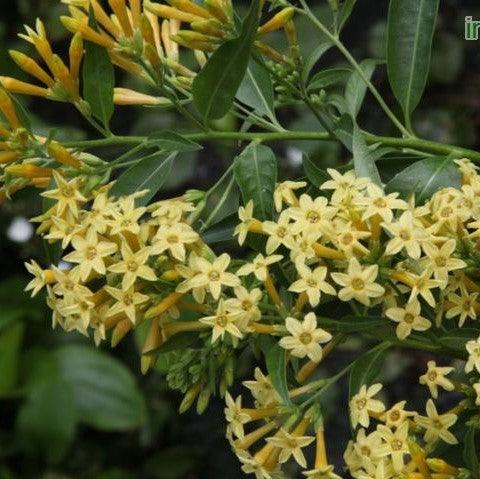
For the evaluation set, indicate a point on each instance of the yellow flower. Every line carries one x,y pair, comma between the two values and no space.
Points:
406,235
363,403
259,266
64,229
396,415
234,415
174,238
66,194
436,425
246,304
377,203
291,445
126,216
312,283
346,183
126,302
40,277
133,266
246,219
473,349
223,322
213,276
395,444
262,389
189,272
325,472
279,233
463,305
436,376
305,337
284,193
98,215
441,259
358,283
408,319
421,285
365,450
312,214
90,253
68,284
476,387
347,238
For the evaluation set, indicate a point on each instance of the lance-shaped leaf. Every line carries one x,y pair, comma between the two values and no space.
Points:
326,78
256,89
411,24
366,368
356,87
255,171
215,87
425,177
277,371
363,159
98,79
150,174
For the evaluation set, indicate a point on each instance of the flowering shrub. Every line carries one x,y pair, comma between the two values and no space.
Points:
319,260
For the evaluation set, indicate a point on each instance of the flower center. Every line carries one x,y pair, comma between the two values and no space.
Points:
305,338
172,239
361,403
281,231
347,238
68,192
358,284
409,318
432,376
91,253
132,266
213,276
246,305
397,445
311,283
441,261
380,203
127,299
222,321
395,415
313,217
405,235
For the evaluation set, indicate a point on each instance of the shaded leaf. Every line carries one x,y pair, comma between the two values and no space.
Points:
169,141
314,57
329,77
150,174
105,393
215,87
10,347
411,24
345,12
46,421
363,159
317,176
221,231
255,171
456,340
98,79
471,454
256,89
366,368
425,177
356,87
277,371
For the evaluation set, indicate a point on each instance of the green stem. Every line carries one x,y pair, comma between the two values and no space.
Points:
425,146
336,41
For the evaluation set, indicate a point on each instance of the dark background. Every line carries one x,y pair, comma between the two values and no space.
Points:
166,445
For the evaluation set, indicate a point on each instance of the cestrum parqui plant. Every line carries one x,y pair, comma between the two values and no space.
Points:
332,255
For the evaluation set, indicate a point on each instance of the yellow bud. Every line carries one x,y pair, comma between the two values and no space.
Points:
41,183
136,9
7,108
269,52
120,10
8,156
163,306
31,67
62,155
76,54
29,170
4,132
190,7
147,362
73,25
164,11
196,41
278,21
154,338
62,74
209,27
440,466
120,331
124,96
217,9
189,398
16,86
126,64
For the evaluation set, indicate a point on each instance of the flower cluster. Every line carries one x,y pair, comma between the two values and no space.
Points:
358,247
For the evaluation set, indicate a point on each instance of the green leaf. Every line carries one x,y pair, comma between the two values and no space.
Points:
356,87
255,171
10,347
215,87
363,159
221,231
326,78
256,89
366,368
277,370
351,324
150,174
411,24
345,13
105,393
317,176
98,79
425,177
471,453
222,201
456,340
169,141
314,57
46,421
